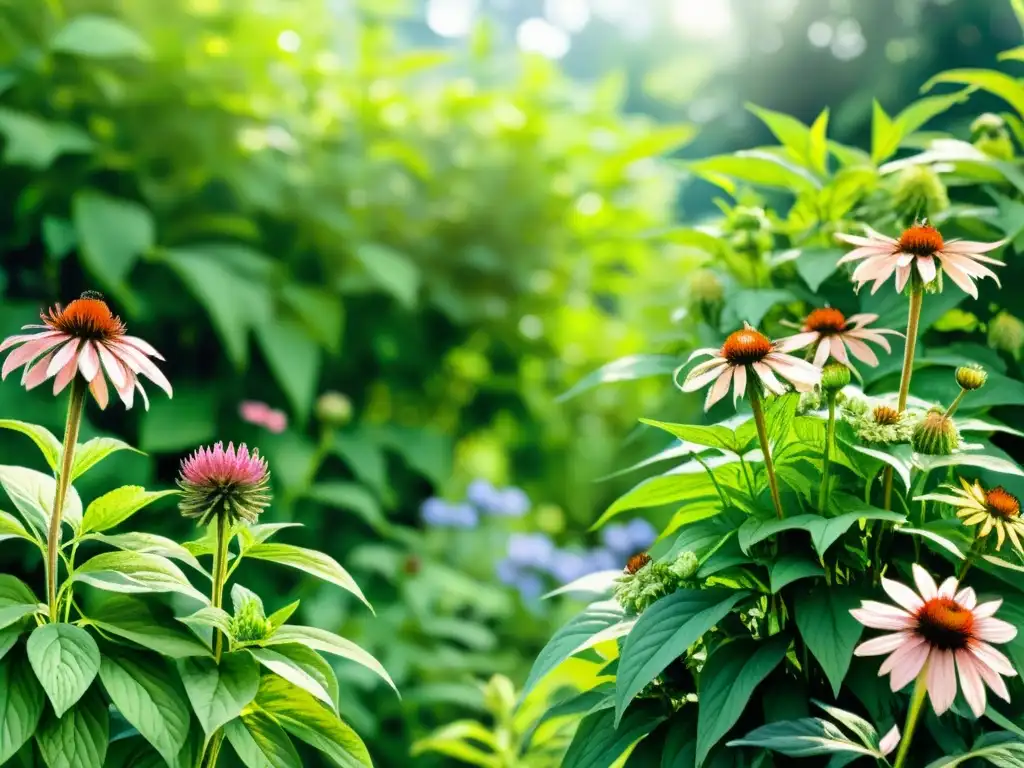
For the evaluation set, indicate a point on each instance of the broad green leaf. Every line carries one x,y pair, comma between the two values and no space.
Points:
458,741
817,151
113,508
755,530
38,143
750,306
713,436
289,670
790,568
303,717
8,637
801,738
899,457
826,530
827,628
260,742
148,695
11,528
65,659
628,368
13,591
572,638
321,313
44,439
10,614
659,140
149,626
856,724
361,451
58,236
328,642
757,167
150,543
257,534
942,541
79,738
600,740
219,692
21,704
797,137
393,271
1007,755
1000,84
33,494
208,616
127,571
727,683
990,463
280,616
92,452
294,359
309,561
99,37
689,488
351,496
885,137
112,234
664,632
816,265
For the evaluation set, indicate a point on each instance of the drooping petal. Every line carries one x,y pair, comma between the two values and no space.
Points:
764,373
29,352
994,659
905,664
64,376
970,682
793,368
868,334
958,276
860,319
142,364
702,375
719,388
941,680
902,595
890,741
972,246
143,346
11,341
902,276
98,387
839,350
926,268
112,365
37,373
797,341
89,361
860,350
824,350
926,586
991,678
62,357
739,383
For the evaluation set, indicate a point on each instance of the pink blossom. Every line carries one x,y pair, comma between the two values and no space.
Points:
222,480
262,415
837,335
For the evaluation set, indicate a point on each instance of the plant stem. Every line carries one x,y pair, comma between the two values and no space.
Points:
766,449
220,565
913,322
965,566
721,494
916,701
830,432
955,404
76,404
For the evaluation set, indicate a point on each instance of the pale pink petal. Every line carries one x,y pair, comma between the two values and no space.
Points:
876,235
958,276
874,267
63,356
904,260
719,388
882,616
890,741
993,659
112,366
127,390
971,246
703,351
764,373
860,350
793,368
994,630
143,346
905,664
11,341
701,375
866,334
941,680
970,266
29,352
991,678
902,276
797,341
902,595
821,356
839,350
88,361
37,373
142,394
98,387
882,645
739,388
986,609
926,586
139,363
860,319
970,682
968,599
948,587
926,268
64,376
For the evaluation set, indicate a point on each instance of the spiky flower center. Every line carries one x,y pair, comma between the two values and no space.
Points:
1002,503
886,415
746,347
921,240
945,624
636,562
86,318
826,321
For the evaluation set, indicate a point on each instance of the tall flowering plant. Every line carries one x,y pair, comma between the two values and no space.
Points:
133,656
832,577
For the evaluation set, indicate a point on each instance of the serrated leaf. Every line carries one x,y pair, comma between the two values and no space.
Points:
219,692
136,572
309,561
65,659
829,631
260,742
21,704
45,440
114,507
33,494
136,620
79,738
328,642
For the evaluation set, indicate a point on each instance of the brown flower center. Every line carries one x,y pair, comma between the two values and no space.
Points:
885,415
826,321
746,347
86,318
636,562
946,624
921,240
1002,503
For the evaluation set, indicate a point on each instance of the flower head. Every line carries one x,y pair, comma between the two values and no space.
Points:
834,377
881,424
995,509
226,481
84,338
439,513
645,581
919,191
971,377
262,415
920,247
935,435
834,334
748,352
939,632
250,624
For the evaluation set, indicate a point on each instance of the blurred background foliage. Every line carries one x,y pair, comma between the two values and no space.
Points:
452,212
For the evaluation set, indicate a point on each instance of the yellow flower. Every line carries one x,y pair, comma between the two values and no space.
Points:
995,509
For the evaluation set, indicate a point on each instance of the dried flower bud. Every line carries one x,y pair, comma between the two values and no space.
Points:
971,377
919,191
885,415
834,377
334,409
636,562
935,435
1006,333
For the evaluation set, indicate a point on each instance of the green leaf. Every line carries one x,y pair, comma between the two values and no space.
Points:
112,234
79,738
659,140
365,457
459,740
829,631
114,507
727,683
136,572
65,659
8,637
321,313
44,439
664,632
394,272
595,620
664,489
219,692
351,496
816,265
138,621
13,591
899,457
755,167
21,704
790,568
290,670
38,143
208,616
801,738
309,561
600,740
280,616
148,695
260,742
1006,755
750,306
713,436
92,452
756,530
303,717
826,530
33,494
11,528
1000,84
328,642
99,37
797,137
817,151
629,368
150,543
294,359
58,236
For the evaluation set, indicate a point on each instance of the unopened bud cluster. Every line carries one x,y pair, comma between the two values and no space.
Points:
646,581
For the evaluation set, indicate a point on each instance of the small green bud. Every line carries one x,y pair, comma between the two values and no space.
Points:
706,287
919,191
971,377
748,219
645,581
987,124
250,624
1006,333
334,409
684,566
500,696
834,377
935,435
990,135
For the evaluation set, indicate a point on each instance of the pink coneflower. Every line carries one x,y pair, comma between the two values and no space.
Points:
834,333
229,481
84,337
749,352
939,632
262,415
919,245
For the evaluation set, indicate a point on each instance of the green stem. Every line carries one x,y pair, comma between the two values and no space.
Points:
830,432
955,404
762,434
220,564
913,322
714,481
972,554
913,715
76,404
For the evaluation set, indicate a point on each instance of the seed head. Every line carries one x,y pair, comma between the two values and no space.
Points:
935,435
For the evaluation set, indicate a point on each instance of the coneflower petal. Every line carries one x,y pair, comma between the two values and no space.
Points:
941,680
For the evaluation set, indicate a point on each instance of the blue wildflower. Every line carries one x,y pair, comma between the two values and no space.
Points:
507,571
512,502
569,566
434,511
641,533
618,539
531,550
530,586
603,560
482,495
439,513
463,516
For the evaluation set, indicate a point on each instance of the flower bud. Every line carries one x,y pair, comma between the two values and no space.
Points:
1006,333
990,135
250,624
971,377
935,435
919,191
885,415
334,409
706,287
834,377
684,566
645,581
748,219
